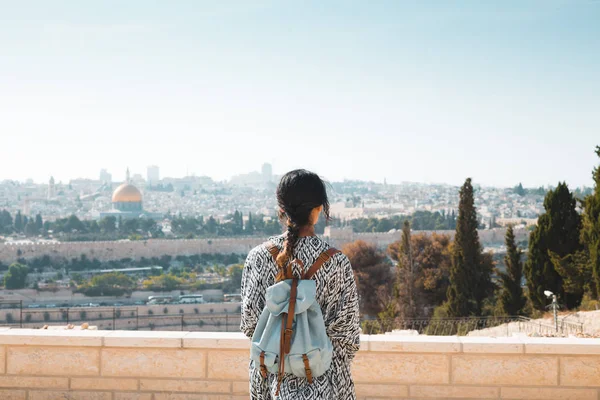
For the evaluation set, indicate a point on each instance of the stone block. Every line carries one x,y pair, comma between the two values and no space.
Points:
570,346
580,371
230,365
53,361
490,345
43,395
133,396
34,382
414,344
159,339
216,340
240,388
401,368
104,384
166,385
548,393
504,370
454,392
363,389
8,394
153,363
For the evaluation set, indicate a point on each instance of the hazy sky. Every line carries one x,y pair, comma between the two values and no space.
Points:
430,91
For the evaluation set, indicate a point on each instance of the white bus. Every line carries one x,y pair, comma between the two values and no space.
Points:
159,300
191,299
232,298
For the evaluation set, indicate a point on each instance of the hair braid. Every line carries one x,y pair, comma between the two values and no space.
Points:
291,238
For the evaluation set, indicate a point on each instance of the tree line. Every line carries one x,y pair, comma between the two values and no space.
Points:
434,276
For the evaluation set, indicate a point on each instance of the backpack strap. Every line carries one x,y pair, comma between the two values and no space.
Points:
273,249
322,259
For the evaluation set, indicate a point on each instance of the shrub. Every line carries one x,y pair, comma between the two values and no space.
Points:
65,315
9,318
212,310
46,316
150,312
28,318
133,314
165,310
118,313
180,311
82,315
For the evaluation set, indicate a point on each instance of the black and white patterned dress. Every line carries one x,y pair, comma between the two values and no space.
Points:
338,298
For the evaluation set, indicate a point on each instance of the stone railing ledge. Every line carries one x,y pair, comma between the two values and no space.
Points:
151,339
575,346
412,344
216,340
42,337
492,345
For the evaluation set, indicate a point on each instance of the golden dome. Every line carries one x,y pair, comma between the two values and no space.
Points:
127,193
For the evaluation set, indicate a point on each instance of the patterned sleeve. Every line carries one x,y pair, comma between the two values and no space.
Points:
253,299
342,314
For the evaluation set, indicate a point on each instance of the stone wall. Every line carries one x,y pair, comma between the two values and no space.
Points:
116,250
105,365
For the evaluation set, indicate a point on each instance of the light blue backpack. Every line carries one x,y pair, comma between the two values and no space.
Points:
290,336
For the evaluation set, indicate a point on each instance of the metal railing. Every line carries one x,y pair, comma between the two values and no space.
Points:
496,326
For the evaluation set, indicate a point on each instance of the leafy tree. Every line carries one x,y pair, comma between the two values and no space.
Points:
511,300
16,276
590,233
108,224
30,228
165,282
557,233
431,258
470,275
373,275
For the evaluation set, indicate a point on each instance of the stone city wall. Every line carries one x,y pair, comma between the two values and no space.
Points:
116,250
119,365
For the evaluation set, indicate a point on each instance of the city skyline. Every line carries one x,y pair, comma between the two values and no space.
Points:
428,92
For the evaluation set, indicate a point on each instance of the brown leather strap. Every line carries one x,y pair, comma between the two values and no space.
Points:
287,343
322,259
263,367
281,355
307,368
273,249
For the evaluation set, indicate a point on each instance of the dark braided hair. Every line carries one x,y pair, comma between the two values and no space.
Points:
299,192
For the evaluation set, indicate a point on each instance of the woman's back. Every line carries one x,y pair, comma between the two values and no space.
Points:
338,298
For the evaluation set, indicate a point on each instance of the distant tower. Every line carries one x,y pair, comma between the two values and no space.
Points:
51,188
105,177
127,176
384,182
267,172
152,175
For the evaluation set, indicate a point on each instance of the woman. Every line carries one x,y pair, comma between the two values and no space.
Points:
302,197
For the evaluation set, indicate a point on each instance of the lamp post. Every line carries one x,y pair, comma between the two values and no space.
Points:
554,306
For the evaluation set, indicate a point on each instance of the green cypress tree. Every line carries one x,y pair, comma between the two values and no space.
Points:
556,235
405,285
470,274
512,301
590,233
19,222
